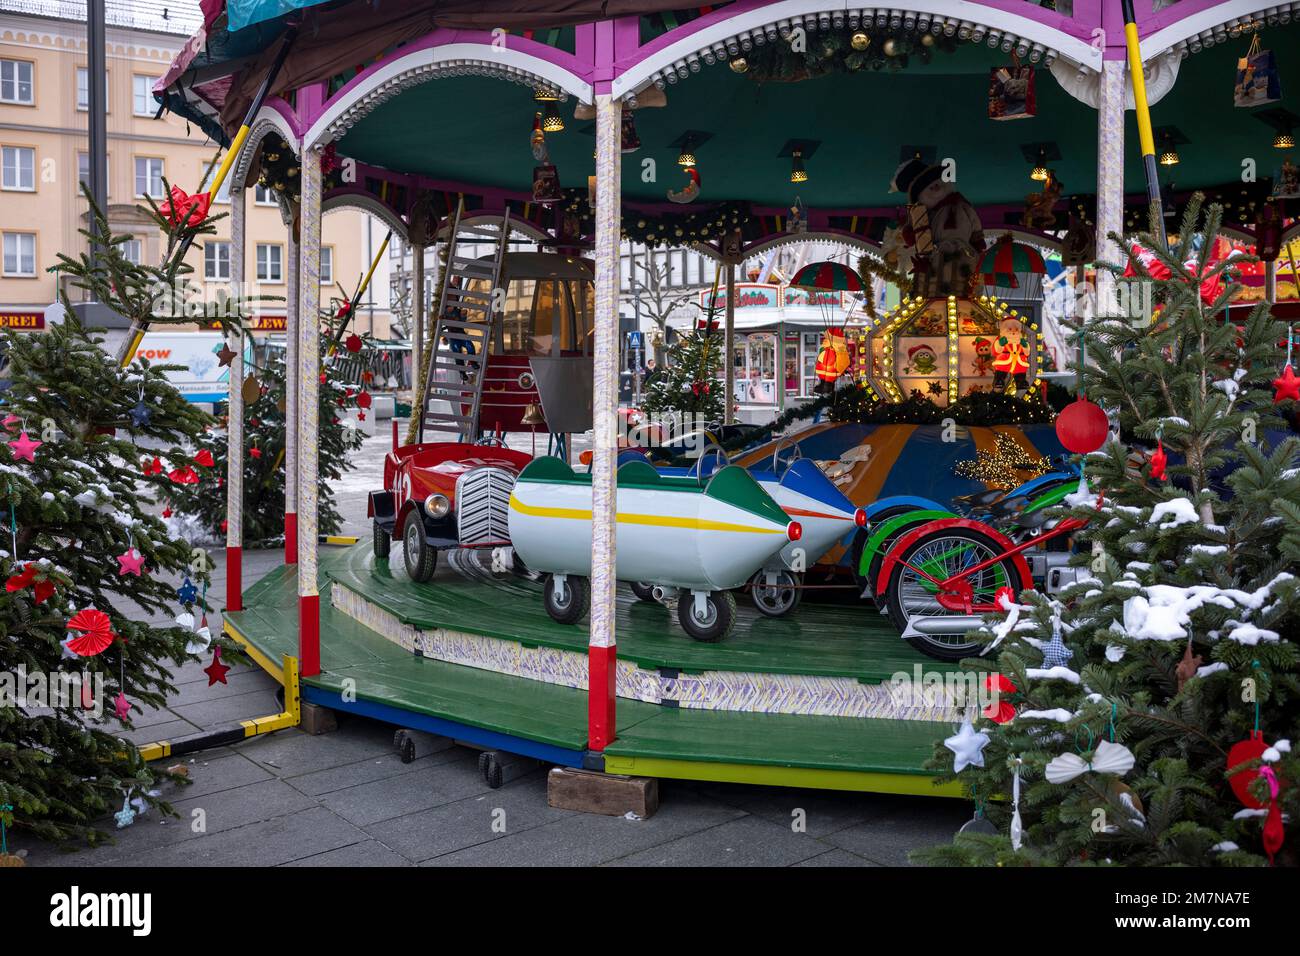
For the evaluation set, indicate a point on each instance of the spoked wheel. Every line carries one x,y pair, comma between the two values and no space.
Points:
912,598
643,592
714,624
383,542
572,602
420,559
778,598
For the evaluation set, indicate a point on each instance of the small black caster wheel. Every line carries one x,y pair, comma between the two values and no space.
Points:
405,745
493,774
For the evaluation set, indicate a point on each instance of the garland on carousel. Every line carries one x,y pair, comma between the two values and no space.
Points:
702,224
841,52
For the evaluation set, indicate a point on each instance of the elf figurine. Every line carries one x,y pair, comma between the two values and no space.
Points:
983,363
1012,359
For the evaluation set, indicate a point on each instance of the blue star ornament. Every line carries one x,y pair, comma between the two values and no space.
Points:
187,592
140,414
1055,653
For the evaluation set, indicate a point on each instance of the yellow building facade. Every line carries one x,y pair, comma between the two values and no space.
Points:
43,157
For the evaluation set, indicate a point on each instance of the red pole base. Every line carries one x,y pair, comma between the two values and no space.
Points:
308,635
234,579
601,670
290,538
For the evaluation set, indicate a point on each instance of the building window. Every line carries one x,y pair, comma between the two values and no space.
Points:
149,177
142,101
216,261
223,194
264,196
20,254
269,263
83,172
132,251
19,168
83,88
16,82
327,265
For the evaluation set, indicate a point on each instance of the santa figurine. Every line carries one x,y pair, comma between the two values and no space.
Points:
942,230
1012,358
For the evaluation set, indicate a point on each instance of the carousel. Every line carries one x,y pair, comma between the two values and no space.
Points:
491,605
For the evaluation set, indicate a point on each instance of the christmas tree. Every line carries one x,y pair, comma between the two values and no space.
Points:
689,386
90,449
264,457
1149,709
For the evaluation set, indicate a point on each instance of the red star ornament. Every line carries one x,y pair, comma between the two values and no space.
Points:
254,452
129,562
1285,386
25,448
216,671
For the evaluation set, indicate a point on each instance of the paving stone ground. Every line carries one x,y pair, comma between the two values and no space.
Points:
345,799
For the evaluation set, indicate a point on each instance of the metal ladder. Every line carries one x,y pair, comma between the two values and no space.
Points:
473,330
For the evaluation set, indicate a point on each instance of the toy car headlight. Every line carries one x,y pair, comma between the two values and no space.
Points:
437,506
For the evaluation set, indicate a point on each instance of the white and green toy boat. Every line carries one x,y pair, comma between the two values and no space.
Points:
689,539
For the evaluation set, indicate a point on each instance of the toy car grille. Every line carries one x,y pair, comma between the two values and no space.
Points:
483,506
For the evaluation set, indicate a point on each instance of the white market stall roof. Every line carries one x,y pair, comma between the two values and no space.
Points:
764,305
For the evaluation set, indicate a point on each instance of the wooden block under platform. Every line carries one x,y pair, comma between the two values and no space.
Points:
317,720
610,794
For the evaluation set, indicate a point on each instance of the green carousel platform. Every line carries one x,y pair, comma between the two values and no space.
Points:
801,701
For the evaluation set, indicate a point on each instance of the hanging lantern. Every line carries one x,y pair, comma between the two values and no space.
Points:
798,172
552,121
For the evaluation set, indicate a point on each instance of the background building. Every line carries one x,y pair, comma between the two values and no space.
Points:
43,148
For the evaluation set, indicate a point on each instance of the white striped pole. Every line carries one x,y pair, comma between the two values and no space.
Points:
293,321
602,653
308,412
235,418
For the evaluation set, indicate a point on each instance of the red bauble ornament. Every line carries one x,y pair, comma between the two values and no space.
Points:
1243,751
1286,386
1082,426
1158,462
364,400
353,343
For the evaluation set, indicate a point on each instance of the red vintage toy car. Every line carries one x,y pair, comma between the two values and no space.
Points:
444,495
